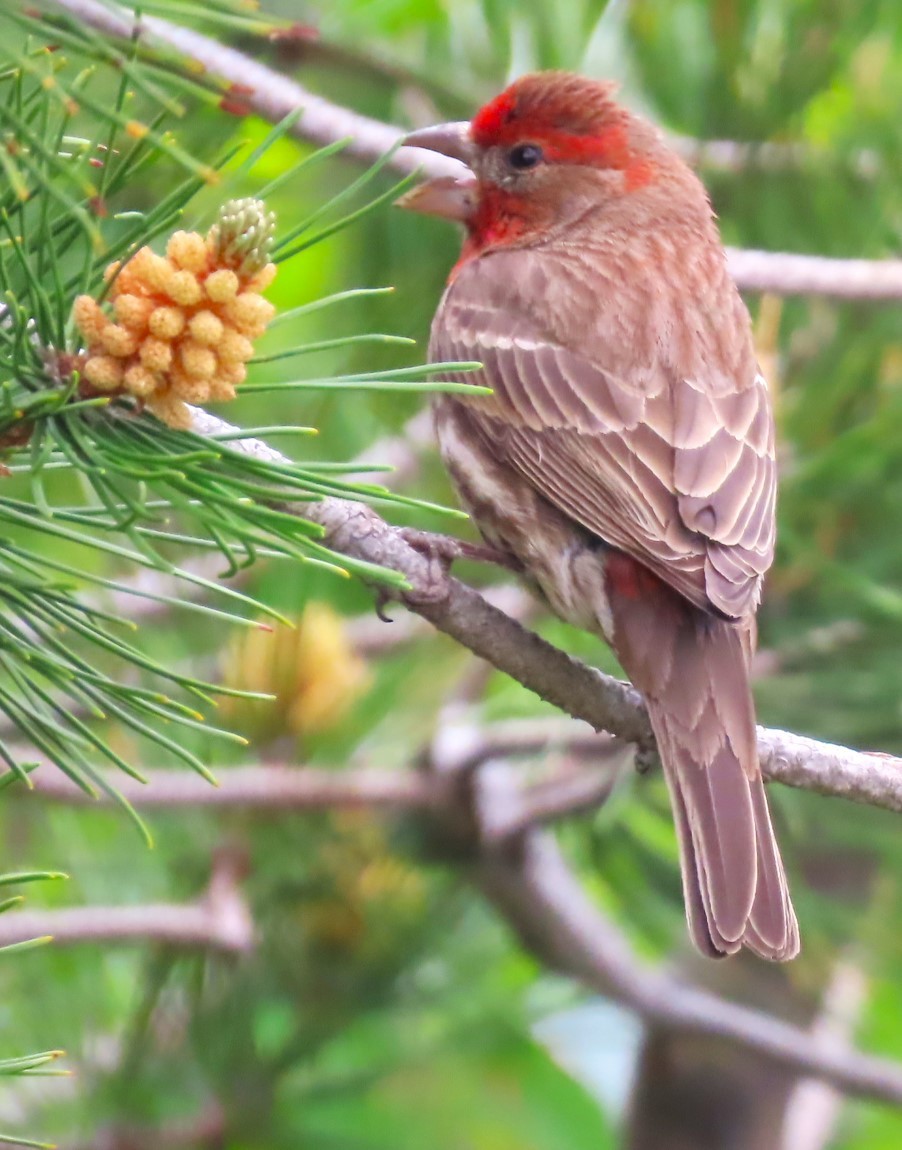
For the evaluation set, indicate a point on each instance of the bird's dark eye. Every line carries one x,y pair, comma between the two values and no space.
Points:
524,156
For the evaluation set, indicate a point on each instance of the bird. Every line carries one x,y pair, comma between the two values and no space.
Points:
625,459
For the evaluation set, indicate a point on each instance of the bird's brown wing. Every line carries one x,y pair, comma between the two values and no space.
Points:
675,472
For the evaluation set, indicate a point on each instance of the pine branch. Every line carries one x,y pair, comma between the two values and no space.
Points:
581,691
144,488
165,923
276,789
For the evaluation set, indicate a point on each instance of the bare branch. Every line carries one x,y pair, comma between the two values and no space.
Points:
769,156
218,921
280,789
269,93
837,772
507,809
787,274
183,926
273,96
581,691
864,777
200,925
283,790
519,737
541,897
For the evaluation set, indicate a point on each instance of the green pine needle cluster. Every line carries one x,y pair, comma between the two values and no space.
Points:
87,474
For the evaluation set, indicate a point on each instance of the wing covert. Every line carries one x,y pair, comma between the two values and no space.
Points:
678,474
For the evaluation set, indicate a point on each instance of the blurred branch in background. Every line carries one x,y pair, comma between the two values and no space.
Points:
220,921
543,900
814,1108
270,788
274,96
873,779
521,871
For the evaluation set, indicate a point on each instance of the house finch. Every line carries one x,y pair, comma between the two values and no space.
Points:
626,456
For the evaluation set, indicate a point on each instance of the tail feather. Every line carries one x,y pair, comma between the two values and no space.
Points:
693,670
773,930
703,928
717,833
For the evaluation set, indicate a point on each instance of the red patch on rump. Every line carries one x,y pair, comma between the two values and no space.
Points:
638,174
629,579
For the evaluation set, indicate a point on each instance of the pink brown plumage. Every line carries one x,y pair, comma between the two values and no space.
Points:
626,455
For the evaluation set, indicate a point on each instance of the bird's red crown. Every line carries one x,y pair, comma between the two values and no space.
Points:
574,119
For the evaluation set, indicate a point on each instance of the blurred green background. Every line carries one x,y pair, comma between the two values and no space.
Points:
385,1006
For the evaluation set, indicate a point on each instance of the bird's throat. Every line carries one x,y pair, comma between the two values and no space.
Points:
501,219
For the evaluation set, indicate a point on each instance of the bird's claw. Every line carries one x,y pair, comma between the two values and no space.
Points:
446,549
383,599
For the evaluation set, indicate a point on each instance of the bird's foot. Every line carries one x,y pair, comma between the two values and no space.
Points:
441,551
446,549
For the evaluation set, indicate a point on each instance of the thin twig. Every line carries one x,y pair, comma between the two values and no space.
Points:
265,91
277,789
220,920
169,923
739,156
283,790
785,274
207,926
815,1108
837,772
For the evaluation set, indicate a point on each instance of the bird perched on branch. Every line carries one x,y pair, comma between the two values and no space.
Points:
625,459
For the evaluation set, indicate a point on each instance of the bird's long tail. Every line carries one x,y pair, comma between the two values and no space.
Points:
693,669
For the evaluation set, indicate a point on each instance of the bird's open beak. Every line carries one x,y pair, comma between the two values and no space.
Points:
448,139
451,197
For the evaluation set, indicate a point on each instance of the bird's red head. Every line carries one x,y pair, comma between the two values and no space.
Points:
571,120
547,146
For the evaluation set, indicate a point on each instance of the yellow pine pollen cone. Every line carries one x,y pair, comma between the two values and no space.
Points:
312,669
182,324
